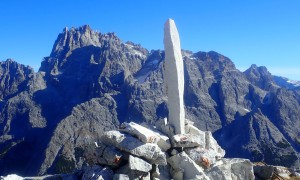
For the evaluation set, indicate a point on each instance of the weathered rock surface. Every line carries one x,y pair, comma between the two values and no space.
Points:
212,145
161,172
132,174
188,140
127,143
232,169
138,164
174,76
184,166
164,141
203,157
142,133
121,177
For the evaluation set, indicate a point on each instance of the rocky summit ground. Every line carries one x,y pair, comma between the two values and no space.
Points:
92,82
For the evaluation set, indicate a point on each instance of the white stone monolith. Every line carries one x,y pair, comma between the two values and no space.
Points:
174,75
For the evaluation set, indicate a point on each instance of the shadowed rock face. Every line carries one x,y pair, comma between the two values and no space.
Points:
13,78
92,81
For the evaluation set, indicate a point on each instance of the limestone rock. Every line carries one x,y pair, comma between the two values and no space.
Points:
203,157
181,162
188,140
132,174
144,134
191,129
121,177
174,73
97,173
161,172
164,141
138,164
127,143
232,169
212,145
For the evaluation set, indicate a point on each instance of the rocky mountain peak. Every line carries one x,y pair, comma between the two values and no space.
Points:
214,62
83,36
258,69
10,63
260,76
76,43
13,77
74,38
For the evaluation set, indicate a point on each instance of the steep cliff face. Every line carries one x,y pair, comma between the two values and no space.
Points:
13,78
92,81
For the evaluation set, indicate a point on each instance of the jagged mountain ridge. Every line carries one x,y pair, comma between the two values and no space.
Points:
91,82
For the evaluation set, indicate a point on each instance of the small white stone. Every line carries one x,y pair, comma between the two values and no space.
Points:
96,144
166,121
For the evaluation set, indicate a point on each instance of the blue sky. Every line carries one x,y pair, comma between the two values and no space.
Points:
262,32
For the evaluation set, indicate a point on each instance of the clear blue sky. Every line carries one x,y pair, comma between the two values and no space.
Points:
262,32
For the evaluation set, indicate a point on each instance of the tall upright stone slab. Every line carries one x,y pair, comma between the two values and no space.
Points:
174,75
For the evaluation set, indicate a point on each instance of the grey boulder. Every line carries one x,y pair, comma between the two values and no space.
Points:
184,167
188,140
231,169
138,164
125,142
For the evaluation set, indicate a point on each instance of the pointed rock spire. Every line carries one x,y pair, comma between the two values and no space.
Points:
174,75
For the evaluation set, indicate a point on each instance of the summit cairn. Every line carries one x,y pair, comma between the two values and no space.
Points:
174,75
169,150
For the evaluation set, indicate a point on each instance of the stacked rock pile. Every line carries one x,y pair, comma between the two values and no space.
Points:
155,152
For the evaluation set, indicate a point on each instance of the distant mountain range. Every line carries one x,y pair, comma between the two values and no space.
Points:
91,82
